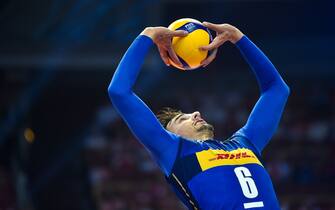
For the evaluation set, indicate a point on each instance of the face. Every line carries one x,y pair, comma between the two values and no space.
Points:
191,126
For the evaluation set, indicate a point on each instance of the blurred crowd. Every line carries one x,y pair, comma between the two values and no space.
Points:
7,193
299,158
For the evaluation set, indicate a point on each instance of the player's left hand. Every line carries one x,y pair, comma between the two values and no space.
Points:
224,32
210,58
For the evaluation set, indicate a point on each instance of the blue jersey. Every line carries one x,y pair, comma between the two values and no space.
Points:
216,175
210,174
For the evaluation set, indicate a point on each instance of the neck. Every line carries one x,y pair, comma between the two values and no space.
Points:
205,136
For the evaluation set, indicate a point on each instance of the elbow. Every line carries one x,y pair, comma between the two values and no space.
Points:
114,91
281,89
285,89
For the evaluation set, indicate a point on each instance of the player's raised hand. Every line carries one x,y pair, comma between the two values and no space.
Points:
162,37
210,58
224,32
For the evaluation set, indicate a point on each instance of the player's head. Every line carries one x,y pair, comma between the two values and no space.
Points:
190,126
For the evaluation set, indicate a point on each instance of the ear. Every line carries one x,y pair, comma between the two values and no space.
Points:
168,126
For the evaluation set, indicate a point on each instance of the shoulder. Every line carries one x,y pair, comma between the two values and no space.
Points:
188,146
238,140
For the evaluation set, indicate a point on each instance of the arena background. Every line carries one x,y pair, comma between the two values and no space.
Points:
62,146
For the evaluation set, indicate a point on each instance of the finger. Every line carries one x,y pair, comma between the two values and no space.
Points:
214,44
174,57
210,58
212,26
217,42
180,33
164,55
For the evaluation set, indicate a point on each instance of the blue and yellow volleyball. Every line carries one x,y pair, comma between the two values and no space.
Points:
187,48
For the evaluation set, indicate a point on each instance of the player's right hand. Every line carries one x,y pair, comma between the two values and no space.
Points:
162,37
224,32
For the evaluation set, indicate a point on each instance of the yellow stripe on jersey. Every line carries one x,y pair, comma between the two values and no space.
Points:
213,158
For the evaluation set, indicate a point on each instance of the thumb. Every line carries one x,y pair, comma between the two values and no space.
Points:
212,26
179,33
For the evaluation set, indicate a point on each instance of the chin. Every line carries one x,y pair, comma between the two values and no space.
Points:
206,128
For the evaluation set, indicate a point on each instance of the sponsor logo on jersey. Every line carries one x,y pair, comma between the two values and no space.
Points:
239,155
212,158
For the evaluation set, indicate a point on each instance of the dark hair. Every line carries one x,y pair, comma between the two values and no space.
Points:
166,114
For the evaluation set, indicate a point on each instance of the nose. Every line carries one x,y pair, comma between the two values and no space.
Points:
196,115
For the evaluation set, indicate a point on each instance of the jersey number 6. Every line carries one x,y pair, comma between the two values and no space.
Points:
248,186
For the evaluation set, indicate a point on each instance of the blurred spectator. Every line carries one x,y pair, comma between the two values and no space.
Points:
7,194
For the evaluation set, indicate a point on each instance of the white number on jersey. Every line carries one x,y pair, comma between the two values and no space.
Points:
248,186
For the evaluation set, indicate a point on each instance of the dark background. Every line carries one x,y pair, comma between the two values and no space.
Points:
62,146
